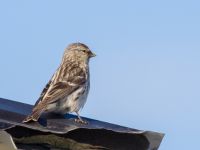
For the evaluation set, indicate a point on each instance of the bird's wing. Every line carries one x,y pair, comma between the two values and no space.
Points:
43,92
64,82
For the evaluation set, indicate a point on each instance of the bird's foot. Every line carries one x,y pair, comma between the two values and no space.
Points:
81,121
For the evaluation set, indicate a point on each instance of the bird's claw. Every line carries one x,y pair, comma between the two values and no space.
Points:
81,121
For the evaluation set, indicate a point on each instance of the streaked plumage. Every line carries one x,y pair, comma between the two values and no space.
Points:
69,86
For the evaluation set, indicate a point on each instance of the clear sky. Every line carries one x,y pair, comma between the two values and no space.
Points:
147,71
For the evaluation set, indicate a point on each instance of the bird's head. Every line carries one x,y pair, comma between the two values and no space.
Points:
79,51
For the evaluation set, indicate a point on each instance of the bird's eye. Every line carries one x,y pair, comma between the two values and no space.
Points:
85,51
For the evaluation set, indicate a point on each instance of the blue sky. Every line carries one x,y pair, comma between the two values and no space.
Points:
146,74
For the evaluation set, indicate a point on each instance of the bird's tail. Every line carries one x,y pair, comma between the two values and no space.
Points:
34,116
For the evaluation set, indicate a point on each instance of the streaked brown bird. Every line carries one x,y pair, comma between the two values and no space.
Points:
68,88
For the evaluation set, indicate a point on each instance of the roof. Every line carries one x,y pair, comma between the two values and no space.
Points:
63,130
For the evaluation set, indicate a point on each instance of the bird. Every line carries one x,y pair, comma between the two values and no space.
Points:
68,88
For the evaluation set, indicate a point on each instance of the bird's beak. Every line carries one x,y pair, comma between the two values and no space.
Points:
92,54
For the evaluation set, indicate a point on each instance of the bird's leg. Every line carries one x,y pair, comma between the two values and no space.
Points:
80,120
